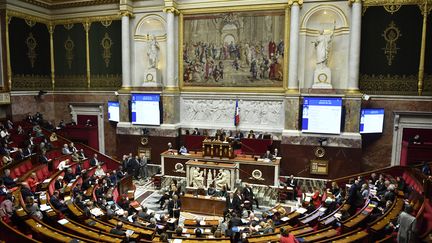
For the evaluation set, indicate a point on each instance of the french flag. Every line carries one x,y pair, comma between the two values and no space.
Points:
237,114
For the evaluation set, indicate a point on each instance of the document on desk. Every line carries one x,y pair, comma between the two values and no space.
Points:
44,207
63,221
301,210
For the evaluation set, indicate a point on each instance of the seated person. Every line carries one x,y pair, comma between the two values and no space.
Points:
3,188
58,184
25,190
183,150
33,208
94,161
196,132
8,181
28,151
68,176
99,172
57,203
211,191
267,155
251,134
81,155
43,158
20,155
65,149
75,157
7,159
53,137
32,181
72,148
63,165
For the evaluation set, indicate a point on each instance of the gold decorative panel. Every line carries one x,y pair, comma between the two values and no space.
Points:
391,35
31,49
106,44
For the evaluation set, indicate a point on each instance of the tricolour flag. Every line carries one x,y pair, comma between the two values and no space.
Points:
237,114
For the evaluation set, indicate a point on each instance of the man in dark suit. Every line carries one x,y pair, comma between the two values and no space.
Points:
267,155
249,195
174,206
231,205
94,161
43,159
8,181
20,155
27,151
57,203
118,229
233,224
291,182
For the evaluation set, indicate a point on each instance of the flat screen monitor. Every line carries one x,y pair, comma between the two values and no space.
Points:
322,115
371,120
114,111
145,109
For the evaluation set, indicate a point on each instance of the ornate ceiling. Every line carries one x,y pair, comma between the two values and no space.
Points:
57,4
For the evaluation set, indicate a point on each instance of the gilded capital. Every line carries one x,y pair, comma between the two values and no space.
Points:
87,25
172,10
295,2
51,27
126,13
351,2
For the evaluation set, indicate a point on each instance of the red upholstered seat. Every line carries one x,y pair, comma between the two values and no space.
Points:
17,172
40,175
28,164
45,171
23,169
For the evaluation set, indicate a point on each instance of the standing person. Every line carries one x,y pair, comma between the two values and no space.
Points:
143,167
407,225
174,206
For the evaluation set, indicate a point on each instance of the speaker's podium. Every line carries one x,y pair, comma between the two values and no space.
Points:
217,149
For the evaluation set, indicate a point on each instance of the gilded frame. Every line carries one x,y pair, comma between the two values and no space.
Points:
266,7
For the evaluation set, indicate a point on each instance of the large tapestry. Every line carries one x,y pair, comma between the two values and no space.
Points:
236,49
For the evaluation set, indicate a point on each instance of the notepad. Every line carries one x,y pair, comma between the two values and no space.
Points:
63,221
301,210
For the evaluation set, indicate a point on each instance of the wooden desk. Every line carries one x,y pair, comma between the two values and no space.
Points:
353,237
48,232
194,223
384,221
264,238
319,236
175,165
202,205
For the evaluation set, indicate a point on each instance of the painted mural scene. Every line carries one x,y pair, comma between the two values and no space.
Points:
240,49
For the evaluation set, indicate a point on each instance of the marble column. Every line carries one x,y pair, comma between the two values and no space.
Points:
293,83
354,47
171,80
126,69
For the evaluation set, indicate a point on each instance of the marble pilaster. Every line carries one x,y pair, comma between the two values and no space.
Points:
125,34
354,47
293,82
171,79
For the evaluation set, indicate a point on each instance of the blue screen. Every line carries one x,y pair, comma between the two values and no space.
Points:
371,120
145,109
321,115
114,111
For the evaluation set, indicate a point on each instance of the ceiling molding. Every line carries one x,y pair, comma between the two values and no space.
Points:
58,4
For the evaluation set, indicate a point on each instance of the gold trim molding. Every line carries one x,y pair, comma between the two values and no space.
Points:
370,3
28,17
57,4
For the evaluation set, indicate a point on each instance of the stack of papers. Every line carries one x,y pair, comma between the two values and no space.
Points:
96,212
44,207
63,221
301,210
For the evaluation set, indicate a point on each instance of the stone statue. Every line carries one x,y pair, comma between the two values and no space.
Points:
222,179
197,178
322,45
322,73
153,52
